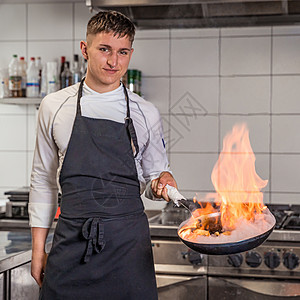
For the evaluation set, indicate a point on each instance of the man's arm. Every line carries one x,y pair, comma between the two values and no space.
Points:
155,163
39,256
43,190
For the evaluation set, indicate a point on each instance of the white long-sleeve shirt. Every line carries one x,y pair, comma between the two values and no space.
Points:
55,122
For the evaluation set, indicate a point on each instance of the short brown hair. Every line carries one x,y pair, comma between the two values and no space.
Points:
111,21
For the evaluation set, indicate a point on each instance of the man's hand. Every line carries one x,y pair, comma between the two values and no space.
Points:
39,256
158,185
38,264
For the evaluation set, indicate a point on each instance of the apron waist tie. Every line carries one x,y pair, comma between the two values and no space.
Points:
93,232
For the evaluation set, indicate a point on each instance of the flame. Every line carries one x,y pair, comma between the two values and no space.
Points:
238,189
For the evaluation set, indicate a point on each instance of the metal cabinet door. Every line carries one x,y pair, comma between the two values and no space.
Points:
176,287
23,285
221,288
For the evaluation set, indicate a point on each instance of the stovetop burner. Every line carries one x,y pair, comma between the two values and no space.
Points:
287,216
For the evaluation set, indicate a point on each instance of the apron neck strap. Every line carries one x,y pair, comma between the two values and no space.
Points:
128,120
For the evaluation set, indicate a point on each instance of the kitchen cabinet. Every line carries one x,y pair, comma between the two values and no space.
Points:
15,262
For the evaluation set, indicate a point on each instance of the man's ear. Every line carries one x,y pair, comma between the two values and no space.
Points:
83,47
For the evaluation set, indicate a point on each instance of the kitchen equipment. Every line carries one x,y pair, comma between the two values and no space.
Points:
269,271
227,248
17,206
214,247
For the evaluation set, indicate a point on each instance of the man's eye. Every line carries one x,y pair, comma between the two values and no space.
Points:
103,49
124,52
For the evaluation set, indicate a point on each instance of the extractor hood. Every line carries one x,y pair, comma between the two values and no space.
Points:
203,13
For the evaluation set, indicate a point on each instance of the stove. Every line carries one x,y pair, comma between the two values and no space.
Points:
255,274
17,206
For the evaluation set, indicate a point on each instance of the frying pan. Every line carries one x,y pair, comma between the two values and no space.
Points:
218,248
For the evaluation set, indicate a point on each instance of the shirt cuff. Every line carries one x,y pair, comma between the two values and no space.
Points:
41,214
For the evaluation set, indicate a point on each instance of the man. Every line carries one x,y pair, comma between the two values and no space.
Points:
105,143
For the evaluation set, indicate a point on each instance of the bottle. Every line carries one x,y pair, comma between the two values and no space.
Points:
52,77
32,86
133,80
62,66
66,76
76,74
38,64
23,67
3,83
83,67
44,82
15,78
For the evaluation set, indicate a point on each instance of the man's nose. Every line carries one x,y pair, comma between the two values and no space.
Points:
112,60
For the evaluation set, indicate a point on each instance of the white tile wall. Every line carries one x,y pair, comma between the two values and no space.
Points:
285,94
156,90
13,168
259,130
51,51
245,55
81,17
194,57
16,12
203,81
282,30
192,171
202,93
245,95
31,123
286,59
12,109
13,131
285,134
247,31
194,33
285,173
146,52
50,21
10,48
195,137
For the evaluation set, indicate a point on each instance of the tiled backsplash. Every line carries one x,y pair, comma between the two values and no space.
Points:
202,80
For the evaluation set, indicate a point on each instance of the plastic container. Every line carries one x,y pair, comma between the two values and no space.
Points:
76,74
62,67
15,78
52,76
66,76
4,83
39,66
33,85
23,67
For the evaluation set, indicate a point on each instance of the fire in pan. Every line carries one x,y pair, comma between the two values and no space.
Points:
234,218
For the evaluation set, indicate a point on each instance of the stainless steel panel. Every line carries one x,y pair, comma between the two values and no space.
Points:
181,287
23,285
1,285
227,289
219,265
203,13
172,257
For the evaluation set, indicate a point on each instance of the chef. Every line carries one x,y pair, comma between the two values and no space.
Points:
104,146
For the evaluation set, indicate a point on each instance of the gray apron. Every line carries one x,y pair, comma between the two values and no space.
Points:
101,247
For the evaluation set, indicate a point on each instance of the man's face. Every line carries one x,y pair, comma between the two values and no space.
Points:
108,58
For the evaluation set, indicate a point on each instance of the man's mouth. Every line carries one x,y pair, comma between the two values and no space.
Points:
111,71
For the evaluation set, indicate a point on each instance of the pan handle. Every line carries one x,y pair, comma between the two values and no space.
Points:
174,195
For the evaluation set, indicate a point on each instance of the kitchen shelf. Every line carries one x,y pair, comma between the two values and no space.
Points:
21,101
